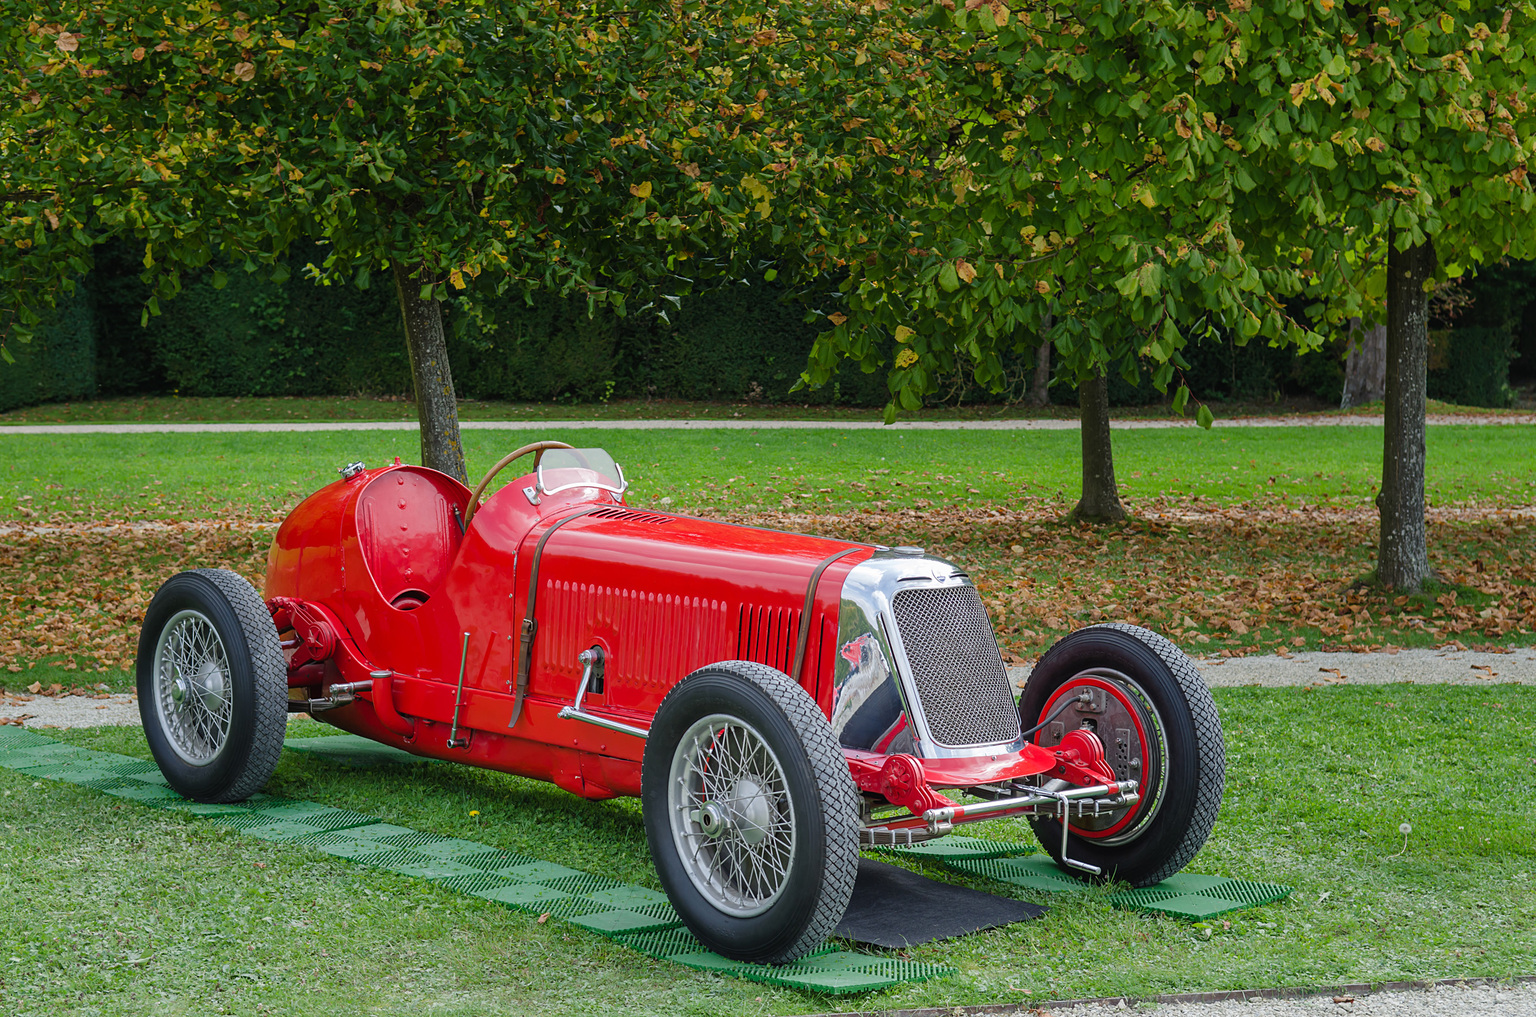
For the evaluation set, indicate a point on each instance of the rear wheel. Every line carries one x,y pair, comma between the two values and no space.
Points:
750,812
1154,715
212,686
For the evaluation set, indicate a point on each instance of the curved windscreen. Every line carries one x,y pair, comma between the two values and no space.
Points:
561,469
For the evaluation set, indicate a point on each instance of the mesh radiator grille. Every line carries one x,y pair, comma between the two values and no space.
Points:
956,667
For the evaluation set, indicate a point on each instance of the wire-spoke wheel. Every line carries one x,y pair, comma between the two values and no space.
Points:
192,688
212,686
732,822
750,812
1151,710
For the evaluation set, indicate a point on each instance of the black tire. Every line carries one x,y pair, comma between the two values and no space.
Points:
723,888
213,686
1183,745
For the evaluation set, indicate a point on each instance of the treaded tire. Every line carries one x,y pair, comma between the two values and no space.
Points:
255,686
1194,757
823,806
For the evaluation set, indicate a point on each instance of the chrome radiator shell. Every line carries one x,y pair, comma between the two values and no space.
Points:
918,668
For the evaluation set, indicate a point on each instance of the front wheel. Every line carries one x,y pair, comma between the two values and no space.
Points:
1154,715
213,688
750,812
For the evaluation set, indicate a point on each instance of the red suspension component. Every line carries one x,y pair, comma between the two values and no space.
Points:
319,648
1080,759
316,638
900,780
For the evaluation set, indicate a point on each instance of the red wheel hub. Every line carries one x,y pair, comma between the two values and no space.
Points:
1109,735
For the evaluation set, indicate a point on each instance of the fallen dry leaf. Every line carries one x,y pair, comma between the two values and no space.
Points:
1213,578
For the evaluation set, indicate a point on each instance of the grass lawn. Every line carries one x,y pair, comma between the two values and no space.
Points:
115,909
118,909
151,409
257,476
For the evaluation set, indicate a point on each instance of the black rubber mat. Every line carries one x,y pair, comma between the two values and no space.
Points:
894,907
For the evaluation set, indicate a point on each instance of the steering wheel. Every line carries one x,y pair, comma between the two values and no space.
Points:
538,448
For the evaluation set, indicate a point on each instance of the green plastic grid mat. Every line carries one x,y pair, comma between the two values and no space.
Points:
634,916
1186,895
955,847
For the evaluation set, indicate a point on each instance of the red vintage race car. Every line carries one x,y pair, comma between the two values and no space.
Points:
777,701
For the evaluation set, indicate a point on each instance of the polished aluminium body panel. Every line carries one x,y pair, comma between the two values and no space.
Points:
876,705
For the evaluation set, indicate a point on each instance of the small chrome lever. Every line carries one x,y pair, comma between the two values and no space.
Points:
592,665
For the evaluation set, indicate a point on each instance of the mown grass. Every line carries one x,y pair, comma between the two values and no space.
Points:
117,909
152,409
253,475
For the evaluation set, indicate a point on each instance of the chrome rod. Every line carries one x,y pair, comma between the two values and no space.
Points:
339,694
591,660
570,713
454,741
1063,805
1124,791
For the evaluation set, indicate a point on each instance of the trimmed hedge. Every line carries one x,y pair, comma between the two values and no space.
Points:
59,363
1470,366
254,337
739,343
263,338
733,343
1227,372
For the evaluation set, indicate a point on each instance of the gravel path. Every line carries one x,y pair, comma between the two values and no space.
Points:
744,425
70,711
1438,667
1423,667
1518,1000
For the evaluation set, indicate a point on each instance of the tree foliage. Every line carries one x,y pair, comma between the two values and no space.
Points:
601,148
1144,173
1135,174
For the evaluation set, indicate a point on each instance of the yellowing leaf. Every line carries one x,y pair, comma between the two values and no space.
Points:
837,318
906,358
641,191
964,270
457,278
903,333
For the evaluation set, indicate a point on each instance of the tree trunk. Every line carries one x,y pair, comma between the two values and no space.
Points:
1039,393
1100,502
1403,561
437,407
1365,369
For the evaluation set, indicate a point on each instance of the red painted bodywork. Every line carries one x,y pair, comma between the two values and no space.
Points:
378,584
